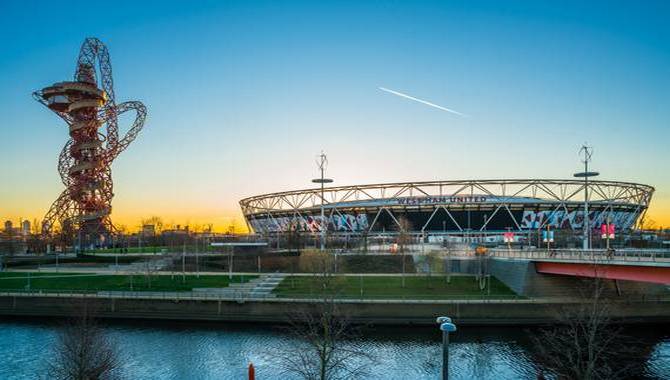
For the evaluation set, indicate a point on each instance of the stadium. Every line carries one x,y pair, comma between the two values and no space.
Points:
452,207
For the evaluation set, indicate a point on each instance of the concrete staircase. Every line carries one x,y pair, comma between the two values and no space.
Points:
266,285
258,288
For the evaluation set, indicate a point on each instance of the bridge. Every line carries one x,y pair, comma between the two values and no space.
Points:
642,265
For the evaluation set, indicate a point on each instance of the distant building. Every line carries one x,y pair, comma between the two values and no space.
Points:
148,230
174,232
12,239
25,227
174,235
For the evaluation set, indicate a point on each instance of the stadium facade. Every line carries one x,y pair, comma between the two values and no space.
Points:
482,206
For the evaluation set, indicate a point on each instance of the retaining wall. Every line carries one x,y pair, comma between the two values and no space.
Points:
521,276
519,312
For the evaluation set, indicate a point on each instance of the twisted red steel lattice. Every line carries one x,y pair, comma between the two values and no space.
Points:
87,104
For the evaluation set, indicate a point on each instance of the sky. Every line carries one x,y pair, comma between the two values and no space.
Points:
242,95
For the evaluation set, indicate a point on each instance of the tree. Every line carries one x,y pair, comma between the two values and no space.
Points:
36,243
447,266
326,341
586,344
35,228
432,259
66,235
122,229
404,238
646,223
296,240
150,266
83,351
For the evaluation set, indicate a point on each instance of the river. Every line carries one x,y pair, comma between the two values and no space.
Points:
180,350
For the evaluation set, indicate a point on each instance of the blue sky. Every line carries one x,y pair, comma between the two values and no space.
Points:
243,95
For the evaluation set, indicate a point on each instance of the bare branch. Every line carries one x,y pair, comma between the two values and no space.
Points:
327,345
83,351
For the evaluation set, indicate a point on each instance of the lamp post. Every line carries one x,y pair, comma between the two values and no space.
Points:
197,268
607,233
79,241
587,151
548,238
446,326
183,262
230,263
322,163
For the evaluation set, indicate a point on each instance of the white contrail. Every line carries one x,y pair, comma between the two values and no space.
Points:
422,101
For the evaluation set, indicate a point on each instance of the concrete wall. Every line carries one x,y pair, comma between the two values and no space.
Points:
274,311
521,276
512,273
462,265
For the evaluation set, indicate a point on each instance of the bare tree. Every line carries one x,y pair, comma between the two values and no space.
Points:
326,341
64,236
296,240
150,266
432,261
404,238
83,351
168,226
35,227
586,344
447,265
645,223
36,243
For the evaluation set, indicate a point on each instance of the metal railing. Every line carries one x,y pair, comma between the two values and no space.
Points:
590,255
241,297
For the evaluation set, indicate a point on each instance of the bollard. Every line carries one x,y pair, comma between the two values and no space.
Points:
252,372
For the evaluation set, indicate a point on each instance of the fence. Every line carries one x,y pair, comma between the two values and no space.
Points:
591,255
241,297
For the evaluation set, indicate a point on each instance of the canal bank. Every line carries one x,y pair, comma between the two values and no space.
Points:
391,312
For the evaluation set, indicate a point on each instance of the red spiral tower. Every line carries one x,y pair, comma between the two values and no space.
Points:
88,106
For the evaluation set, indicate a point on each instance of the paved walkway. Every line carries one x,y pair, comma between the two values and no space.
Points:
269,297
112,271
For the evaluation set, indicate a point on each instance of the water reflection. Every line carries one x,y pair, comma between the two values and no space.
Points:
162,350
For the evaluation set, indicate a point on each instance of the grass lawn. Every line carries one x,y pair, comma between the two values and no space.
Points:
93,283
32,263
390,287
5,275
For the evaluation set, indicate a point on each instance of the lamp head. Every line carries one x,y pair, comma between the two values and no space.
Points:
441,320
448,327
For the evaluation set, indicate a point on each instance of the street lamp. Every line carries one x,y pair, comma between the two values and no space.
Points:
588,152
446,326
322,163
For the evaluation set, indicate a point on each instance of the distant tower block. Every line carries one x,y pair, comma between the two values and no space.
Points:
25,227
88,106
